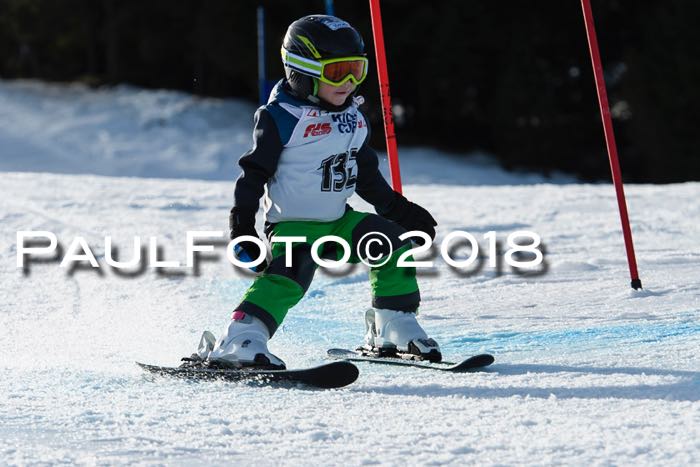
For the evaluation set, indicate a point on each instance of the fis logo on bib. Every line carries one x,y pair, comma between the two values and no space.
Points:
317,129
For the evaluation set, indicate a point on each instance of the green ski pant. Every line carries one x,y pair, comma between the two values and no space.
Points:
279,287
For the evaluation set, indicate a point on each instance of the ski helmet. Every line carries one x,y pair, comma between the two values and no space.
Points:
318,37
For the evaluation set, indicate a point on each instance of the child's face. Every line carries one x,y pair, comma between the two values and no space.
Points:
335,95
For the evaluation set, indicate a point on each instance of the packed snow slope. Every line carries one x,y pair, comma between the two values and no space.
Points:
588,371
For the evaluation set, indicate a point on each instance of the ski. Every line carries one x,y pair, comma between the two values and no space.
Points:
326,376
471,363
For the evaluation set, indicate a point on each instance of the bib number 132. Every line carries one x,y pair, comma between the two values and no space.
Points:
338,171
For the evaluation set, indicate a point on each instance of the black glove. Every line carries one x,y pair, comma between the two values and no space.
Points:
411,216
242,222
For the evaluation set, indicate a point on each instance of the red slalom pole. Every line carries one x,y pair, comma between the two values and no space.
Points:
610,140
383,74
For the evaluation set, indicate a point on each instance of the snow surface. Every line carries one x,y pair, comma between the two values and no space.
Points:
588,371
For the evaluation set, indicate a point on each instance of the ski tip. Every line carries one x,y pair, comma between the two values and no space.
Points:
473,363
484,358
338,374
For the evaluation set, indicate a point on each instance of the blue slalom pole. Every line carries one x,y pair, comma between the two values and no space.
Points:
329,8
262,75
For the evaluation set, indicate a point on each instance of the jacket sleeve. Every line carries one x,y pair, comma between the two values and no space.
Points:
371,184
259,164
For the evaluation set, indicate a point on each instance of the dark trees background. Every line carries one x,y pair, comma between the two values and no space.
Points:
507,77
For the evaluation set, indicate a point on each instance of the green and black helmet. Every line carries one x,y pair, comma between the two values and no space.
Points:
321,48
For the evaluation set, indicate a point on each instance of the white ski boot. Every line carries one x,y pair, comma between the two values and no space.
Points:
398,334
243,344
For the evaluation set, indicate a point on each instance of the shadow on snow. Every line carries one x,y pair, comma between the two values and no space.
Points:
687,388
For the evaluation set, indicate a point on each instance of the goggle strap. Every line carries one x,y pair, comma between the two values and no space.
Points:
302,64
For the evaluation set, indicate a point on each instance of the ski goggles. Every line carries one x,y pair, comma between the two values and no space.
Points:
333,71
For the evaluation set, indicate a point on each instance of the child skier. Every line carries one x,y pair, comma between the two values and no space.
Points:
310,154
